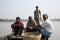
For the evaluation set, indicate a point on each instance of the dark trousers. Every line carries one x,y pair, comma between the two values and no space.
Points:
33,30
28,30
17,31
44,37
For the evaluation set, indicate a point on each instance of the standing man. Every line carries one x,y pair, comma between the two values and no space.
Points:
47,27
37,15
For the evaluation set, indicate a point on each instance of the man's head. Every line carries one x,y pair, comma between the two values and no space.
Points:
17,19
36,7
45,16
30,18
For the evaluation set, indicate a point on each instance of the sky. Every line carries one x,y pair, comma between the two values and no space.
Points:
24,8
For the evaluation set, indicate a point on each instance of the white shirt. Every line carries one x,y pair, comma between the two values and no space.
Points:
47,25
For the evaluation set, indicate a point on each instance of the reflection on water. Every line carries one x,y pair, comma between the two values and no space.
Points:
5,29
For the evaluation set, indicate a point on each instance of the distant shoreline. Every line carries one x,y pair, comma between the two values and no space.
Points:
12,20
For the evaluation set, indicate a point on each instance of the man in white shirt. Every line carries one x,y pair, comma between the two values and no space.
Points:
47,27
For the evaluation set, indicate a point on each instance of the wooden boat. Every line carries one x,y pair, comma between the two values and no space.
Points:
25,36
31,36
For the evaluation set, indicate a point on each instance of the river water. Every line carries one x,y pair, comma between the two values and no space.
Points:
5,29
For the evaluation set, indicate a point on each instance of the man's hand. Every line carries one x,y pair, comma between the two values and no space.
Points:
30,28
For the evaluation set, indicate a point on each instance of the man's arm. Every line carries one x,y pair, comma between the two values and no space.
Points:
44,25
22,25
40,14
27,25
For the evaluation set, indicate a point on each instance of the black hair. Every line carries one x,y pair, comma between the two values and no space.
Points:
30,17
36,6
18,18
45,15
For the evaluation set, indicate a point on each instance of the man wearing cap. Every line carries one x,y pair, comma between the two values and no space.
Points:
47,27
37,15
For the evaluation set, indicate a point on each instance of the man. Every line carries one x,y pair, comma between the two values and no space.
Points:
17,27
30,25
47,27
37,15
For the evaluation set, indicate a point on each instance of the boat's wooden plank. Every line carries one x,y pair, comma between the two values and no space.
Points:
14,37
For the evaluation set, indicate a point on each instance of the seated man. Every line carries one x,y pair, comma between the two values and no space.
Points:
17,27
30,25
47,27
